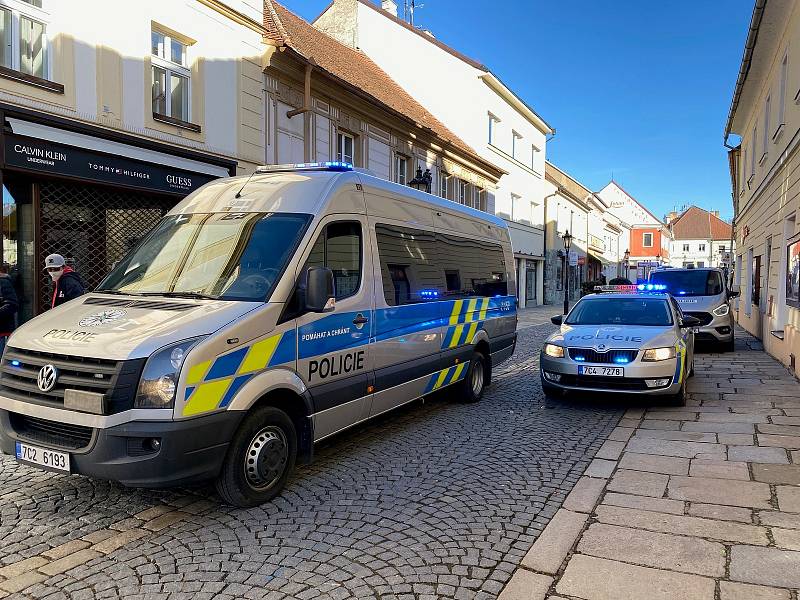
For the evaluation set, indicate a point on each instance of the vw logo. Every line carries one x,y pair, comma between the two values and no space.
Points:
46,380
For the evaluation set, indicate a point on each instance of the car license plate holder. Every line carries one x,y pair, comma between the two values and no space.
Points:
601,371
44,458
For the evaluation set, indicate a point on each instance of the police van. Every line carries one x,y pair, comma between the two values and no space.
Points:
260,316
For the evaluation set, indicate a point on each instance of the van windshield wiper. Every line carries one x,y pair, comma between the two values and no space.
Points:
116,292
193,295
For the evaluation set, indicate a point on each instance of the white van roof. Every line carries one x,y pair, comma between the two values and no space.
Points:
305,189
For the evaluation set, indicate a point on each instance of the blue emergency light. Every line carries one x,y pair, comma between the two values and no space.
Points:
429,294
15,363
331,165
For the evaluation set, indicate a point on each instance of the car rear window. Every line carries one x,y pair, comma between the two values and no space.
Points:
642,312
689,283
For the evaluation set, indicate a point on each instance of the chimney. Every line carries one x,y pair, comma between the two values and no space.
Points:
671,217
389,6
715,213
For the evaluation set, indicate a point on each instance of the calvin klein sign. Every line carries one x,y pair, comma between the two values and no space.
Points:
58,159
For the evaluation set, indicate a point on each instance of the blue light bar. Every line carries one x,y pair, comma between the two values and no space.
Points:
621,360
331,165
580,358
15,363
429,294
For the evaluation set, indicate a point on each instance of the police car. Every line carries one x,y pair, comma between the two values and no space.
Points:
630,339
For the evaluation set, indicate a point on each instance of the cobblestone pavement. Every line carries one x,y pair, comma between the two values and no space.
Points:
685,503
438,500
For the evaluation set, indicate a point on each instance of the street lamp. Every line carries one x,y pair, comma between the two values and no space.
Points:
658,260
626,257
567,243
422,181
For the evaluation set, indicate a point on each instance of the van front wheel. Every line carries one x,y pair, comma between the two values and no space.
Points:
260,458
475,382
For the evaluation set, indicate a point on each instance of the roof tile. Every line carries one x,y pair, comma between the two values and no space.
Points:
696,223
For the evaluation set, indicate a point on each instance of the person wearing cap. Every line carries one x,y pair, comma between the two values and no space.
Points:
8,306
67,284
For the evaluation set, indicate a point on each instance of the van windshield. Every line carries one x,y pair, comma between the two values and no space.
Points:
229,256
689,283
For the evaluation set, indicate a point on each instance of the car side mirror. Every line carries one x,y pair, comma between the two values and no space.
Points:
689,321
320,293
734,291
557,320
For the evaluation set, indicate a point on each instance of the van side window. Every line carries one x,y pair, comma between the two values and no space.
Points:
338,247
409,268
471,267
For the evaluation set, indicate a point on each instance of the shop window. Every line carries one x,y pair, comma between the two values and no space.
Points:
345,144
171,78
23,36
793,274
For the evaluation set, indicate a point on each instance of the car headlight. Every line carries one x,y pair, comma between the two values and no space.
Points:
654,354
160,377
722,310
554,351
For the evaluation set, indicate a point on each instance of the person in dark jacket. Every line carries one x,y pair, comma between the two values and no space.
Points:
9,304
67,284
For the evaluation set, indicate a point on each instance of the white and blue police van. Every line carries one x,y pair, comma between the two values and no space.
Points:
260,316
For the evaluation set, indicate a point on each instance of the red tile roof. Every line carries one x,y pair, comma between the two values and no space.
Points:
286,29
696,223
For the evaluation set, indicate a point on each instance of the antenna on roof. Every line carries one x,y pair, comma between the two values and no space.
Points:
409,6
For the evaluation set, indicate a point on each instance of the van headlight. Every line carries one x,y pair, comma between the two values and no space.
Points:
654,354
554,351
722,310
160,377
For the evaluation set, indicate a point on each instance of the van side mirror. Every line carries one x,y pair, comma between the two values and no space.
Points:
689,321
734,291
557,320
320,290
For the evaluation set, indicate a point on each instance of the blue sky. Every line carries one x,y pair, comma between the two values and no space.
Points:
640,89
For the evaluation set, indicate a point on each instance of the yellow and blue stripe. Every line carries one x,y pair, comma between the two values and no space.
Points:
680,366
212,384
466,319
446,377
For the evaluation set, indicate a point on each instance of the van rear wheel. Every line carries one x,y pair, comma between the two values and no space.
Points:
475,382
260,458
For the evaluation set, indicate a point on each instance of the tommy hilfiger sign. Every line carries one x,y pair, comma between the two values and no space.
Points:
58,159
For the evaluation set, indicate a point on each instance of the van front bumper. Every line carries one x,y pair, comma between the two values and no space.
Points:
186,451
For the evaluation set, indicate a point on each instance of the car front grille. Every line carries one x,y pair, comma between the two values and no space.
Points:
590,355
50,433
115,380
605,383
704,317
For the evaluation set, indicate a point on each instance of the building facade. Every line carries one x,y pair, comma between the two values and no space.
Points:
495,122
765,114
104,129
649,238
700,239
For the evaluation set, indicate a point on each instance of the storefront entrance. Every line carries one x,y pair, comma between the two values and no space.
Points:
530,282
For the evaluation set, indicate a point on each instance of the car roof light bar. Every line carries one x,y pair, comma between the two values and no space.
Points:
332,165
633,288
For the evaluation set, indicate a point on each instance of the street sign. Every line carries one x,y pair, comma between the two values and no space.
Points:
573,258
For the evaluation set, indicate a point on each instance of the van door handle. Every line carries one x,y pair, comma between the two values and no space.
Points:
360,320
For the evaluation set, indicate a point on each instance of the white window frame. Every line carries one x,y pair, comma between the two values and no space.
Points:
341,154
398,159
463,192
782,83
753,144
444,184
686,248
767,116
701,248
493,121
515,137
644,237
18,9
479,198
534,153
172,68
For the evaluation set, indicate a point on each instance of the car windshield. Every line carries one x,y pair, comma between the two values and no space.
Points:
689,283
616,310
229,256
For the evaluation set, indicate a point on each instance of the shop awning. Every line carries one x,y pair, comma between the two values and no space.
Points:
598,258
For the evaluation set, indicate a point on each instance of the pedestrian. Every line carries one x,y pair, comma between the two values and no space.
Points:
67,284
9,304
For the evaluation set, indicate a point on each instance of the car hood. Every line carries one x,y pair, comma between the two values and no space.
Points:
121,327
604,337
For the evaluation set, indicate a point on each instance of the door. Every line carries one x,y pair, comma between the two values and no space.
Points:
530,282
333,351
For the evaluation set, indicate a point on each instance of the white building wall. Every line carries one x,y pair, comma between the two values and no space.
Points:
624,207
700,253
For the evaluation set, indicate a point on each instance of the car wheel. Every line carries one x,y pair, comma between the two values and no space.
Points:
679,399
260,458
550,392
475,382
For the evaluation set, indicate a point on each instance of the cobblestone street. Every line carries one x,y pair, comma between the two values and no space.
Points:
438,500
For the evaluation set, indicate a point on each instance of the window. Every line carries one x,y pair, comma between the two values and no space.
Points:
479,199
344,147
686,247
515,138
793,273
753,143
463,198
647,240
171,77
493,121
782,96
764,147
23,37
338,247
702,248
419,266
722,249
756,284
400,169
535,158
444,185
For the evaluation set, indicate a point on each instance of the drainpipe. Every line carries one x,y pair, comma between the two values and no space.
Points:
544,245
306,112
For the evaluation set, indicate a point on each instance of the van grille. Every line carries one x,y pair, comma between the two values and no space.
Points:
116,380
705,318
50,433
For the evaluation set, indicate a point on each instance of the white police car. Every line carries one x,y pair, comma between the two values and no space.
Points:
630,339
